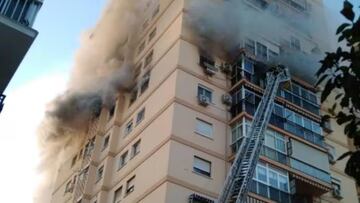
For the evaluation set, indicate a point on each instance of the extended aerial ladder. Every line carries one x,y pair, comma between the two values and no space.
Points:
242,170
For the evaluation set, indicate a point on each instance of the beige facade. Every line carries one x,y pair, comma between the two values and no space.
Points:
167,147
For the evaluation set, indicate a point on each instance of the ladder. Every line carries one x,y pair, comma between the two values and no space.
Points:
242,170
83,172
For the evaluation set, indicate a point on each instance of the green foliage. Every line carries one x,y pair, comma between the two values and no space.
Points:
340,71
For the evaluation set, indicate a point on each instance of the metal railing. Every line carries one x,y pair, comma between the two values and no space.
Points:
2,98
21,11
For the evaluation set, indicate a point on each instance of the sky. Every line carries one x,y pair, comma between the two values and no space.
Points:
41,76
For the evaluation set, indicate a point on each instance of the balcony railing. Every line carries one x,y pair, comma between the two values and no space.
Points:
285,124
270,192
2,98
310,170
21,11
265,151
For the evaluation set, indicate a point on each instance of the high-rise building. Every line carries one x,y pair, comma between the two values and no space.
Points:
173,138
16,36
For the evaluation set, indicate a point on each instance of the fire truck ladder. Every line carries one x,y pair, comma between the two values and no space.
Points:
241,172
84,169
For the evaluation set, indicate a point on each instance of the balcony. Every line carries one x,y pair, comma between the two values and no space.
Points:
16,35
2,98
20,11
270,192
310,170
283,124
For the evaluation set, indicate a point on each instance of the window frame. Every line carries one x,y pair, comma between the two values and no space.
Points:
141,115
119,189
135,148
130,188
199,170
123,159
99,173
201,121
201,89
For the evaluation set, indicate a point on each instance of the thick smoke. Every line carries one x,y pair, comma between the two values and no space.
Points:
102,70
220,27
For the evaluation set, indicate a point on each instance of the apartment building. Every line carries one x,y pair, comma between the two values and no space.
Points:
173,137
16,36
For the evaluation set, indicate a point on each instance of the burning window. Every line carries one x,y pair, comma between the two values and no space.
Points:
206,61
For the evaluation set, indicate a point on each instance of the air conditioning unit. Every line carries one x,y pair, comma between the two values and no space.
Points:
209,69
337,193
227,99
226,68
203,100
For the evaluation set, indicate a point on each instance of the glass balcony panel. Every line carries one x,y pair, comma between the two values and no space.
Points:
310,170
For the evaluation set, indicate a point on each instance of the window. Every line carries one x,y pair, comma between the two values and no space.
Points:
136,148
295,43
140,116
202,166
261,174
145,24
278,110
203,91
129,127
206,61
112,112
261,51
152,34
68,187
123,159
336,186
130,185
248,66
145,82
272,55
269,176
250,46
73,161
133,96
137,70
141,47
106,142
275,141
99,173
156,11
204,128
149,58
117,195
